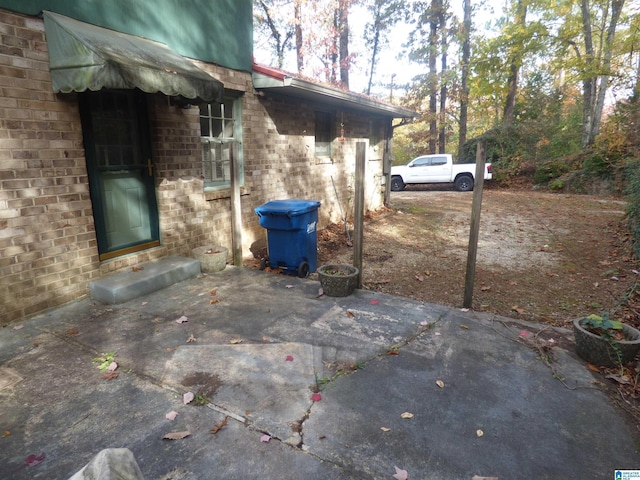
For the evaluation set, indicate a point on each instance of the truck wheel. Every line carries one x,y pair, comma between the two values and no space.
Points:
397,185
464,183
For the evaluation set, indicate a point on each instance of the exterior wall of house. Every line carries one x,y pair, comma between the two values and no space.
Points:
48,247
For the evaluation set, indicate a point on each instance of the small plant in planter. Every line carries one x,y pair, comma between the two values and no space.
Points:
605,342
338,280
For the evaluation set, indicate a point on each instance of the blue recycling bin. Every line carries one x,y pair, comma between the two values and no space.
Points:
291,234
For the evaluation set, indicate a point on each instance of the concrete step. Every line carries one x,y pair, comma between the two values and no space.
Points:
147,278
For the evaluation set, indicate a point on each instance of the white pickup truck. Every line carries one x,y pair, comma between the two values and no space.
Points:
437,168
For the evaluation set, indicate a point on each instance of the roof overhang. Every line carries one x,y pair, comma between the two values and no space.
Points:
271,80
87,57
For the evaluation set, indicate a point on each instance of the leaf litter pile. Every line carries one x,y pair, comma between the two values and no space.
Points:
542,257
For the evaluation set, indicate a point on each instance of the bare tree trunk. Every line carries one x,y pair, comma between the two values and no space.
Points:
464,96
298,34
343,19
443,86
514,69
589,83
616,9
433,76
375,46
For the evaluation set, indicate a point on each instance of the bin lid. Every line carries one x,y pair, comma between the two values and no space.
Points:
289,207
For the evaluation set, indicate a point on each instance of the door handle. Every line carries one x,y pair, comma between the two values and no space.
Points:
150,167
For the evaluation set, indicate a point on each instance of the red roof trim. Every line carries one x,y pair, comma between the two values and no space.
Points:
269,71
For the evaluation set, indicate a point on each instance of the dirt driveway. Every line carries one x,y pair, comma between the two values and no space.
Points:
541,257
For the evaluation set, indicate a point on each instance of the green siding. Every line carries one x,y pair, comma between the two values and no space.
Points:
214,31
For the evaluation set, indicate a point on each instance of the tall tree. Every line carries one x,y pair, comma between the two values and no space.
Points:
271,21
515,63
596,83
384,15
464,77
442,20
297,16
434,25
343,41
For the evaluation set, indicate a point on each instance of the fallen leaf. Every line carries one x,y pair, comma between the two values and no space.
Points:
213,292
316,397
424,323
6,433
350,314
265,438
517,309
110,376
213,301
320,292
374,302
191,339
182,319
593,368
33,460
485,288
419,278
171,415
623,379
427,273
169,349
385,429
137,269
188,397
112,367
288,286
466,327
219,426
235,341
144,303
406,415
289,358
513,283
73,332
476,477
464,309
18,327
440,383
176,435
479,433
524,334
400,474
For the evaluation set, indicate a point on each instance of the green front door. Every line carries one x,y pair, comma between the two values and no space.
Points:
115,126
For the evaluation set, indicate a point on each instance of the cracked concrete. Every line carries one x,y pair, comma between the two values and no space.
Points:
259,354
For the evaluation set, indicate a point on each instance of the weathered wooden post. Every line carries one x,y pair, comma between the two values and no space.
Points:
475,225
236,213
358,215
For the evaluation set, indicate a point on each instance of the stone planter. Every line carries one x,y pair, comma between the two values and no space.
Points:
600,352
212,258
338,280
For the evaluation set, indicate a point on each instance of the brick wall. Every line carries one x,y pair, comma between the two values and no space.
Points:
47,242
48,248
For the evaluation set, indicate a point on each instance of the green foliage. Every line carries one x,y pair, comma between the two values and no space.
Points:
550,170
556,184
104,361
633,205
601,323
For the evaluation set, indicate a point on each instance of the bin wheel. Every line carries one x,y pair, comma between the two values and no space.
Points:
303,270
264,263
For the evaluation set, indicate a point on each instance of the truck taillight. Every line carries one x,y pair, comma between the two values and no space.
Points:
489,168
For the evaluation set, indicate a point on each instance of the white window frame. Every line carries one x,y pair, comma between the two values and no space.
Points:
221,149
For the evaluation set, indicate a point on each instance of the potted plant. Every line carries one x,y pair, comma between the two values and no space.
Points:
212,258
338,280
605,342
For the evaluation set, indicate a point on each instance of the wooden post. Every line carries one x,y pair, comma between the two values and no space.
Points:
236,213
358,215
475,226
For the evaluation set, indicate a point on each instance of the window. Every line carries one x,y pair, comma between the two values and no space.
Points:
324,136
422,162
439,161
221,137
